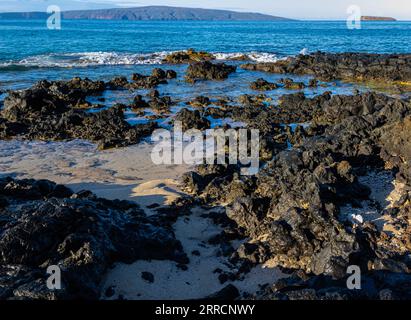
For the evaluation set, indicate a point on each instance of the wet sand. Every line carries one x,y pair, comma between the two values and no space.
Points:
124,173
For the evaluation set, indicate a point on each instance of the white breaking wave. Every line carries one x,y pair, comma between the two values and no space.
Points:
85,59
253,56
263,57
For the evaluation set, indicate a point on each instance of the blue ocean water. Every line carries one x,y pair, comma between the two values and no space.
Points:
21,39
103,49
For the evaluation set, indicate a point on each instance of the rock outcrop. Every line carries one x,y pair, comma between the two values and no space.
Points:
55,111
188,56
263,85
347,66
208,71
192,120
43,224
291,210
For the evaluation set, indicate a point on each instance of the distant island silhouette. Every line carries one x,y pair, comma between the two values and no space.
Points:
163,13
374,18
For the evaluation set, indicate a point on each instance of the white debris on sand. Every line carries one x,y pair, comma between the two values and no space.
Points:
385,191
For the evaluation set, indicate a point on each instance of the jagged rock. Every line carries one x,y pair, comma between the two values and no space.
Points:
350,66
199,101
291,84
161,104
109,129
49,112
263,85
171,74
208,71
192,120
188,56
139,102
147,82
118,83
396,148
158,73
154,94
290,210
223,112
313,83
45,224
157,103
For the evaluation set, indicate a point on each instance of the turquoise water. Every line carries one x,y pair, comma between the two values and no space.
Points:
21,39
103,49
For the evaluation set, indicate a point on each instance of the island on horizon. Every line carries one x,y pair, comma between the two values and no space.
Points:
163,13
375,18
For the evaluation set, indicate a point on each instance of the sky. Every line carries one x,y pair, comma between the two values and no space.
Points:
298,9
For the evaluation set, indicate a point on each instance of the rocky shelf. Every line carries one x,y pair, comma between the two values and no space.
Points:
290,215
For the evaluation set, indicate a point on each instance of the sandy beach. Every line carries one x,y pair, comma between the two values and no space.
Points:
125,173
129,174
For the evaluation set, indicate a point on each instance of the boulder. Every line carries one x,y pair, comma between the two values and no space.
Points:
45,224
188,56
208,71
263,85
192,120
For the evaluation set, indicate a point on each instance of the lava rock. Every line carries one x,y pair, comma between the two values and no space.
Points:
349,66
82,236
188,56
49,111
192,120
290,84
208,71
263,85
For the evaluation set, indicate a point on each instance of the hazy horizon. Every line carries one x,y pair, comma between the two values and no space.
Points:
313,10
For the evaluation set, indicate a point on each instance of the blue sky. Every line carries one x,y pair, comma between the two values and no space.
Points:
300,9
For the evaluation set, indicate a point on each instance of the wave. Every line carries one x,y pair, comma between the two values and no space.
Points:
86,59
253,56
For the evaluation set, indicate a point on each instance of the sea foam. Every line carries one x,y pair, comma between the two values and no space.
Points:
85,59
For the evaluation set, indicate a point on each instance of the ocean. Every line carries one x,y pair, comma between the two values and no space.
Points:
27,42
103,49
